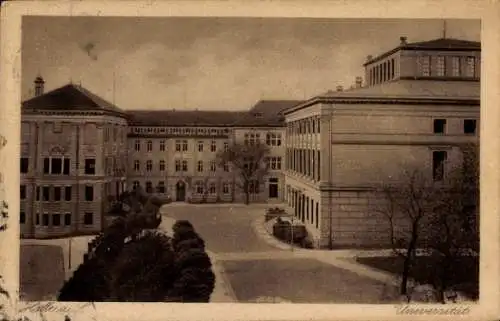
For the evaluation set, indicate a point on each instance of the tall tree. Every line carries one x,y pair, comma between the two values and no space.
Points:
248,160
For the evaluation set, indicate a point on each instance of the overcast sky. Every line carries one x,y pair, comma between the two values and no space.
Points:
212,63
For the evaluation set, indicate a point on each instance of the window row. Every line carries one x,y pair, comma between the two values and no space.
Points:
160,188
382,72
305,162
454,66
114,133
57,193
306,209
149,145
273,139
181,131
311,125
469,126
200,187
56,219
251,138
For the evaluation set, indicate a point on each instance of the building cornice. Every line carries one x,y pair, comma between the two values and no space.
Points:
72,113
385,101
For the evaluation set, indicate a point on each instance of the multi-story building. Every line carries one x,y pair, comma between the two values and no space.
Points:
418,106
73,156
78,151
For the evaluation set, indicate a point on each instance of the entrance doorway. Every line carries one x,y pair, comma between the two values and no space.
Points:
180,189
273,187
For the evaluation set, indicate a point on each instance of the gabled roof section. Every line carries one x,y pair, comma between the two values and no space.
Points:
266,113
70,98
183,117
447,44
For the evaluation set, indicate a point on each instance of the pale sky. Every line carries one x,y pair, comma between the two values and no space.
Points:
212,63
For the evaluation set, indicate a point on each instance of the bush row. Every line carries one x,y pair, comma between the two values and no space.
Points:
284,231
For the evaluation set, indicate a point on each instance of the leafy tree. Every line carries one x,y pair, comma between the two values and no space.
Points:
248,160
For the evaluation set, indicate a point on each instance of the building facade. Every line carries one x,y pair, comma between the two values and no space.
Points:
418,107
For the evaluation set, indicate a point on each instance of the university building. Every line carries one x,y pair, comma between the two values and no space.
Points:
418,105
415,107
78,151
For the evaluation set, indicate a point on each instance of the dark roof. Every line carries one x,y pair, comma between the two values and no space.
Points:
449,44
70,98
266,113
183,117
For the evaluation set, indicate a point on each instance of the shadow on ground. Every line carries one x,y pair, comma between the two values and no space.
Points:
41,272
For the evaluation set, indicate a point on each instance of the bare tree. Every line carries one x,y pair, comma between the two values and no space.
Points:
405,206
438,217
249,162
453,226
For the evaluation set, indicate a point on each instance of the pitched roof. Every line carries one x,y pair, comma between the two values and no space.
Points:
450,44
183,117
70,98
445,43
433,89
266,113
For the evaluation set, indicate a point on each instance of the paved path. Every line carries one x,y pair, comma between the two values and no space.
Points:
250,264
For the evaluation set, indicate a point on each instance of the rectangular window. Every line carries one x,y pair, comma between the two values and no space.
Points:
199,187
177,165
89,193
226,167
200,166
177,145
45,219
161,187
137,165
24,165
212,189
162,145
22,192
67,193
88,218
56,166
425,65
37,219
67,219
440,66
184,166
149,187
162,165
225,188
149,146
37,192
45,194
200,146
137,145
226,146
439,126
184,145
90,166
56,219
57,193
213,166
469,126
66,166
317,215
455,66
46,165
438,162
213,146
471,67
149,165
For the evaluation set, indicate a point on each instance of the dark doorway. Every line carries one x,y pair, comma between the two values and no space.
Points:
180,188
273,187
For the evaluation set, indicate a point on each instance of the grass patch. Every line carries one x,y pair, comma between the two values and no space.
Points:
464,275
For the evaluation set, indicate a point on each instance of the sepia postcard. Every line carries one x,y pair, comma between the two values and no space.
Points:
253,160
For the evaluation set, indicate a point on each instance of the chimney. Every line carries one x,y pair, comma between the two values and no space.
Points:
340,88
403,41
369,57
359,82
39,86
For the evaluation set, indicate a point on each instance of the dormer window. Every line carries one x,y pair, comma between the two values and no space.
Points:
257,114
